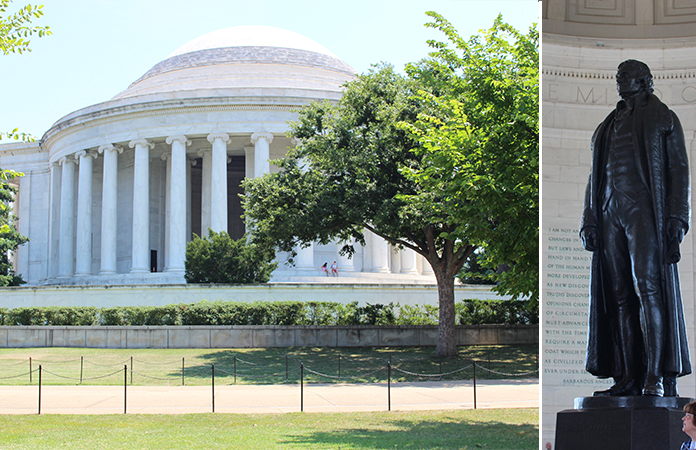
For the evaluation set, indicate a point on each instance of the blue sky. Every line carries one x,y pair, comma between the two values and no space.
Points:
99,47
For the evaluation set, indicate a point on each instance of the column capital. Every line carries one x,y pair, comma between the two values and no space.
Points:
110,147
295,141
191,161
165,156
262,135
223,136
67,159
143,142
180,138
204,151
82,153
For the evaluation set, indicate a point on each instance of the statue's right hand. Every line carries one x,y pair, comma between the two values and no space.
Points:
590,238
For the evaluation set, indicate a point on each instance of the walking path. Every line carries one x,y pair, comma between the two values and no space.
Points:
269,398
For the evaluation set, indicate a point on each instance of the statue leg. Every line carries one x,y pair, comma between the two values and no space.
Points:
645,258
624,306
629,343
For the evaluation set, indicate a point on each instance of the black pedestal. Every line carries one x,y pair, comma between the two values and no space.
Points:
622,423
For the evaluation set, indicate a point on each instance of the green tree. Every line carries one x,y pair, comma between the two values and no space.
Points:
479,147
14,30
220,259
387,158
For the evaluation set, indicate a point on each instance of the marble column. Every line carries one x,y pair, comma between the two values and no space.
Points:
140,262
66,259
23,202
427,268
206,189
408,261
166,157
83,257
177,205
305,259
54,223
345,264
109,225
262,152
190,162
380,254
218,181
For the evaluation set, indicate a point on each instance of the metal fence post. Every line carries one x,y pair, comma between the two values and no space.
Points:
339,366
235,370
212,367
474,366
39,389
82,366
131,370
125,387
301,387
389,384
31,370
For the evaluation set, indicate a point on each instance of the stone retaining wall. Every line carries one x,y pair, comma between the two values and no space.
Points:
257,336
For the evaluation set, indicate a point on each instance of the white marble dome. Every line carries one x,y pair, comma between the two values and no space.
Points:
242,61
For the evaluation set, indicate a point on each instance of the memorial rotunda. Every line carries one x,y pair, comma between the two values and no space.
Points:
114,191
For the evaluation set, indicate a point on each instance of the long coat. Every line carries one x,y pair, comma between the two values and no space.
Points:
661,159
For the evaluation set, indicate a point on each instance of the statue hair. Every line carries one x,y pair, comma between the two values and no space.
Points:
645,78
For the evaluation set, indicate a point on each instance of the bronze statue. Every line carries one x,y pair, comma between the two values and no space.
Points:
636,212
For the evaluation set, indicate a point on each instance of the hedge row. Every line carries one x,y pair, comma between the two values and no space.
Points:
469,312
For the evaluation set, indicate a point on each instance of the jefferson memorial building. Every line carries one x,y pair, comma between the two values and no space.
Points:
112,192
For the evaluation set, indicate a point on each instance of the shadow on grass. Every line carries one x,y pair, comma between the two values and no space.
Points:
441,434
280,365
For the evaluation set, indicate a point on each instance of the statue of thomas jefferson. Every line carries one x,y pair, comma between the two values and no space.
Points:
636,213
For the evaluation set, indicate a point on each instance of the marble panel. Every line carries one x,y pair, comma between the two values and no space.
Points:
399,336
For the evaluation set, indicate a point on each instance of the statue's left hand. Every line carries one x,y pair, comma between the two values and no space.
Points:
675,230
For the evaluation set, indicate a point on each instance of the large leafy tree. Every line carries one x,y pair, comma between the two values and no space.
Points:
479,146
403,157
14,31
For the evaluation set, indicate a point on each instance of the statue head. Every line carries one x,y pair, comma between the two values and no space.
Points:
633,77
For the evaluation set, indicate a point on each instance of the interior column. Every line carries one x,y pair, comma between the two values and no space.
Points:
218,182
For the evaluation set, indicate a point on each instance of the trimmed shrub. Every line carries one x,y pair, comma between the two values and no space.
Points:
469,312
220,259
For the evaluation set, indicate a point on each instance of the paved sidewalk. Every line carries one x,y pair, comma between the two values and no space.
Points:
269,398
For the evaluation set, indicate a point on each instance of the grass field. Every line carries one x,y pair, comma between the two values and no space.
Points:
461,429
164,367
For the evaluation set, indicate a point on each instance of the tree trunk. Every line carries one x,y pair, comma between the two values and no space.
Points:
446,333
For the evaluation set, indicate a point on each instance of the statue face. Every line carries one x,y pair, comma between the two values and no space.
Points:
627,81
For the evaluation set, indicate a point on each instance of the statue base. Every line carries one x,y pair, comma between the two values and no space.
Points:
622,423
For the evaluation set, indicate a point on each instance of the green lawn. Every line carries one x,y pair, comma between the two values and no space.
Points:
461,429
163,367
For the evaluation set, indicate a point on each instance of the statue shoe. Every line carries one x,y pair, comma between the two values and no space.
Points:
653,386
621,389
670,384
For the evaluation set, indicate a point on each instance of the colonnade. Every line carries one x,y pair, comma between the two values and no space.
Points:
71,253
72,188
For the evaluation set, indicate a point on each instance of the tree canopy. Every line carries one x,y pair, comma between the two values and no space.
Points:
442,161
15,30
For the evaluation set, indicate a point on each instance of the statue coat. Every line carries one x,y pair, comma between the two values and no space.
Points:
661,159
